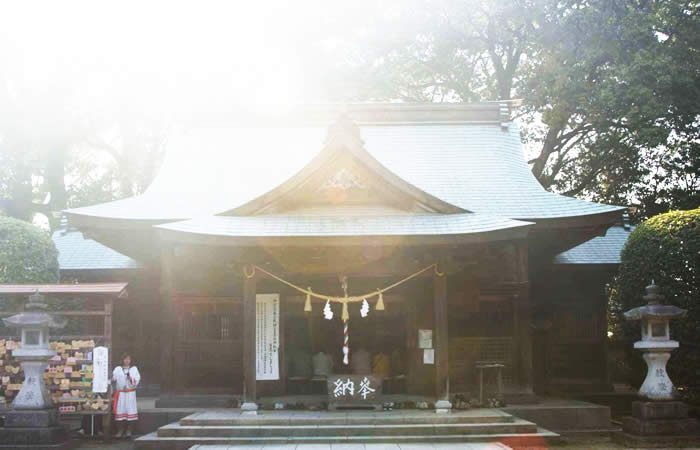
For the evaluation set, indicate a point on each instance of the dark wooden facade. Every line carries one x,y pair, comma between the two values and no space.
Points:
478,307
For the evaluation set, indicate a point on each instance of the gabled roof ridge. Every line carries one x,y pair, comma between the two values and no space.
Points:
343,135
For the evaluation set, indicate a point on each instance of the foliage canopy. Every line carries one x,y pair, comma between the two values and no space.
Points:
27,253
666,249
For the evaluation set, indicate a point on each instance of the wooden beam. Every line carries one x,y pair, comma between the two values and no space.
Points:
440,337
249,383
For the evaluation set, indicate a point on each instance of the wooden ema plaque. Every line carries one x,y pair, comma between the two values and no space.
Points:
354,392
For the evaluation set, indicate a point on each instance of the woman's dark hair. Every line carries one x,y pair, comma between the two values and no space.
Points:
124,356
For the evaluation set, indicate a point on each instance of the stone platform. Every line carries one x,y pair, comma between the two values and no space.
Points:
567,417
659,423
230,427
32,429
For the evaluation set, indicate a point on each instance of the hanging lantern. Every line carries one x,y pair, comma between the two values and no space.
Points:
380,302
307,305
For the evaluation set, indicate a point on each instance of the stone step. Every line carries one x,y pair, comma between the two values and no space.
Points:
196,401
539,438
226,417
178,430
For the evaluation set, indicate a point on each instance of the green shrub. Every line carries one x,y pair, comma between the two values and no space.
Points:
27,253
666,249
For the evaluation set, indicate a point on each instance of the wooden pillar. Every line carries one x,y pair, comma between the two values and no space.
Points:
108,324
249,387
440,338
523,329
168,328
603,334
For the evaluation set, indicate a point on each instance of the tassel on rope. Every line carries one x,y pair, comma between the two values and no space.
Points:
345,315
380,302
307,305
346,345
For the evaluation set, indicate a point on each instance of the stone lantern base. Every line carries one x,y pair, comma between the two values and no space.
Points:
36,428
659,422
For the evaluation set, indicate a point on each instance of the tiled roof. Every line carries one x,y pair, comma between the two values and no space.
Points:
599,250
476,166
360,225
76,252
480,168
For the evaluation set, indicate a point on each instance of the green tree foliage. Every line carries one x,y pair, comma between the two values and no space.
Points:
666,249
59,150
611,89
27,253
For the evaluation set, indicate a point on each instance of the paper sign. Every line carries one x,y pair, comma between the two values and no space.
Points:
425,338
100,382
267,332
428,356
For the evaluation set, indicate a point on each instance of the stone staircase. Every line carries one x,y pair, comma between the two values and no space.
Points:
230,427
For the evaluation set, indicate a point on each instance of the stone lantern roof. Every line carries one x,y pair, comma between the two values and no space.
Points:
35,315
654,309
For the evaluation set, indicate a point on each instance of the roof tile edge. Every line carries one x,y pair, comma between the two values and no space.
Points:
497,112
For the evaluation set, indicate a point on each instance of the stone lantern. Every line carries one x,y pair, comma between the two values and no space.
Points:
656,417
33,419
656,343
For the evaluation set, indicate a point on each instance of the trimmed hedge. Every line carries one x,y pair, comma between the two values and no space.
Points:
27,253
666,249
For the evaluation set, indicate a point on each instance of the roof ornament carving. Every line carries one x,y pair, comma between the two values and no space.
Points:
345,180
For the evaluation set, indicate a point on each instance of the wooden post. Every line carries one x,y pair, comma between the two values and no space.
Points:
603,333
440,338
411,361
108,324
249,388
523,326
168,329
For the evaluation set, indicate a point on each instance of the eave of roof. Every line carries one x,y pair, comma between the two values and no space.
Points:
601,250
92,290
76,252
311,226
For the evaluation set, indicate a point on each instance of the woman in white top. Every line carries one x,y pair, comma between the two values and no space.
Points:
126,378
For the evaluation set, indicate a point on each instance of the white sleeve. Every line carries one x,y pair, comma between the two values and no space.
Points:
134,372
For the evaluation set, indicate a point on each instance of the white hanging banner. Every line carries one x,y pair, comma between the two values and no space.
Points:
267,334
100,369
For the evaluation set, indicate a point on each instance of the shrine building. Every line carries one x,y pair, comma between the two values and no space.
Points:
412,233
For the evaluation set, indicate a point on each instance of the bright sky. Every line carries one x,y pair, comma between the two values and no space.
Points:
165,55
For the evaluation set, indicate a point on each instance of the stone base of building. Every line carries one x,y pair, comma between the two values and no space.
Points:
634,441
659,422
25,429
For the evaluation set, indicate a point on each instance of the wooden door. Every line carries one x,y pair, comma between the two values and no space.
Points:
208,351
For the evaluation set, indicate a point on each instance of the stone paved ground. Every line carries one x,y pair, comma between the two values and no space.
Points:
128,445
574,444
